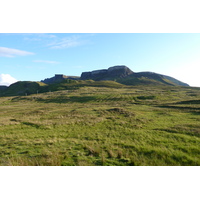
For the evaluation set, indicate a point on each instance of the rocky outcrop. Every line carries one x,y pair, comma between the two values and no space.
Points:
97,74
58,78
120,71
111,73
121,74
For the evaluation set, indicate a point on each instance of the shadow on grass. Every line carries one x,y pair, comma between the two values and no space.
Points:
186,130
32,124
194,110
77,99
189,102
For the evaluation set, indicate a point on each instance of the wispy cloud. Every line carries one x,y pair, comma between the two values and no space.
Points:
47,35
32,39
38,36
8,52
67,42
46,61
7,79
58,41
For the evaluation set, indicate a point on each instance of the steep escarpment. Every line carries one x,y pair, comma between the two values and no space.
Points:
58,78
120,71
122,74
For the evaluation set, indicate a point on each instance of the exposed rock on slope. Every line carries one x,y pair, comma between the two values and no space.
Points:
111,73
111,77
121,74
124,75
59,78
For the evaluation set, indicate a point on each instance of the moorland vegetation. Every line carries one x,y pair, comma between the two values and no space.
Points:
99,123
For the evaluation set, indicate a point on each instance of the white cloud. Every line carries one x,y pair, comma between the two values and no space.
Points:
8,52
46,61
6,79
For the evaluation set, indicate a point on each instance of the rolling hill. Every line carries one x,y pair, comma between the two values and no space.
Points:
124,75
117,76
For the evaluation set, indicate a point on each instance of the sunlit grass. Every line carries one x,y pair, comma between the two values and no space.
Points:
102,126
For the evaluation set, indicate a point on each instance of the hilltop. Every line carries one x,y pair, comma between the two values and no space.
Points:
124,75
120,71
59,78
116,76
121,74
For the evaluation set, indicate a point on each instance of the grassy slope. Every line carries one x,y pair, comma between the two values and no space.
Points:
23,88
144,81
146,78
140,125
27,87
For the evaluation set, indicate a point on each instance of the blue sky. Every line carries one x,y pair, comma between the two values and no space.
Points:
36,56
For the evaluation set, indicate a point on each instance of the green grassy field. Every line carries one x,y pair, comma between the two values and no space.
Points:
125,126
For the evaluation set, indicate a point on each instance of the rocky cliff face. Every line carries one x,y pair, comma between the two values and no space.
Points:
119,71
59,78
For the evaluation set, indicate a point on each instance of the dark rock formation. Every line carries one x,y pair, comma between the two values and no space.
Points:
121,74
119,71
94,75
59,78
